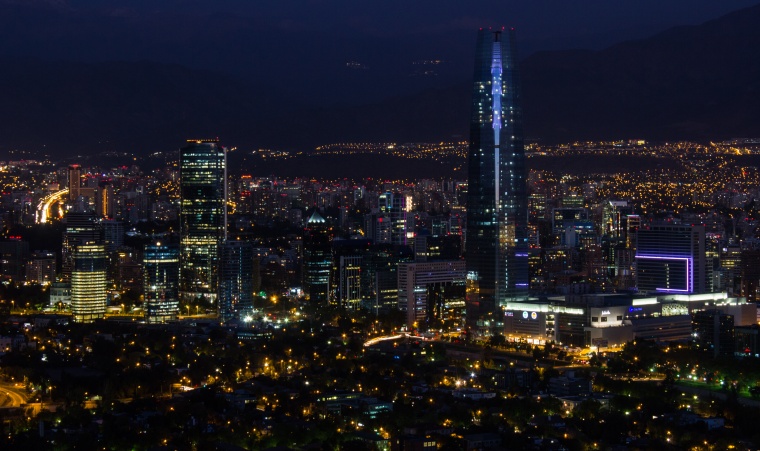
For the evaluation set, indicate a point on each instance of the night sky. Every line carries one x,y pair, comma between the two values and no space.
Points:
269,40
543,23
134,73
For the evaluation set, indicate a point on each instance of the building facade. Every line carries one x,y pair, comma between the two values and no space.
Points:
430,290
235,279
670,258
203,217
496,242
317,258
88,282
161,282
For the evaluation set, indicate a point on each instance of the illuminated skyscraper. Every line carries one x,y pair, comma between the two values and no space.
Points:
81,228
88,282
160,282
497,205
203,216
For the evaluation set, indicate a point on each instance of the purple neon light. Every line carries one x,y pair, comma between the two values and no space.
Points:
689,274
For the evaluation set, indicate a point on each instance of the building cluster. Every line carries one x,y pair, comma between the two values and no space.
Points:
288,312
530,254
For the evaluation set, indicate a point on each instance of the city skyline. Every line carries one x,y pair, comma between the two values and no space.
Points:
562,277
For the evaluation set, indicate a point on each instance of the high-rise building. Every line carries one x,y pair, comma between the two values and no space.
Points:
431,291
75,181
496,242
88,282
203,216
104,201
14,253
235,279
81,228
670,258
713,332
161,282
317,258
113,234
349,293
41,268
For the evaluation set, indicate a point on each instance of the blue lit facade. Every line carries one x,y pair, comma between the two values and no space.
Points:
497,200
161,282
203,217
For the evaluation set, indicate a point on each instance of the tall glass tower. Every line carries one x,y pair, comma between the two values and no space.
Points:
203,216
317,258
497,200
160,274
88,282
235,279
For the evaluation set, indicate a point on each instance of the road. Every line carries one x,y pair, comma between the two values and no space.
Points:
44,207
11,396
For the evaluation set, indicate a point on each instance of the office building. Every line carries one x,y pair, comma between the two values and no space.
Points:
431,291
14,253
235,279
670,258
75,181
496,244
81,228
105,204
161,282
317,258
713,332
88,282
41,268
349,292
203,217
60,295
113,234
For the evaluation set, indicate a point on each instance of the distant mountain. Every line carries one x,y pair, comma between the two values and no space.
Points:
137,107
700,82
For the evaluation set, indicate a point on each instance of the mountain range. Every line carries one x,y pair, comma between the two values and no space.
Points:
697,83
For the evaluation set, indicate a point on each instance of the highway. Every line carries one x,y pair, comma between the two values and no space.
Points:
43,208
11,396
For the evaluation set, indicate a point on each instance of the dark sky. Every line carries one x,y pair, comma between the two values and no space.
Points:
542,23
162,65
275,42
